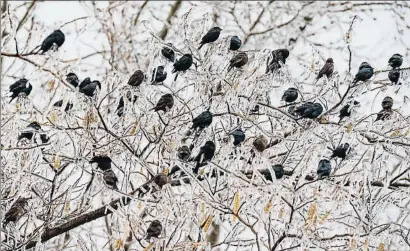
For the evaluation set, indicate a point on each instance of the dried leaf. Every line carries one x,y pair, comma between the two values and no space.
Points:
324,217
349,128
311,213
208,223
396,133
67,207
381,247
281,213
166,170
18,108
268,207
366,245
51,85
53,117
118,244
139,206
353,243
235,85
236,204
149,247
133,129
203,207
57,162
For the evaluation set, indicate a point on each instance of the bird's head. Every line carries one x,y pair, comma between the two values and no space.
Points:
329,60
168,96
101,159
217,28
346,146
397,55
97,83
387,102
365,65
210,144
324,162
188,55
34,125
292,89
285,53
356,102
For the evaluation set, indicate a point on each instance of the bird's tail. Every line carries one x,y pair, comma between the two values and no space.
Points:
176,76
200,46
230,68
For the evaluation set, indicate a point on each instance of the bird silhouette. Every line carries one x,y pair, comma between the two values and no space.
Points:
184,153
72,79
104,162
158,75
394,76
154,230
260,143
290,95
202,120
110,179
279,171
121,103
168,53
20,86
309,110
90,88
365,73
396,61
206,153
182,64
235,43
324,168
211,36
278,56
136,78
68,106
327,69
239,136
340,151
56,37
16,211
165,103
32,129
346,111
238,61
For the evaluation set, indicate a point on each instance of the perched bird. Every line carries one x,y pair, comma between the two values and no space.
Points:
182,64
279,171
255,110
20,86
396,61
110,179
387,103
340,151
235,43
165,103
121,104
104,162
202,120
206,153
57,37
72,79
239,136
394,76
91,88
346,111
154,230
158,75
16,211
365,73
136,78
260,143
184,153
384,114
278,56
290,95
324,168
168,53
327,69
84,83
210,37
238,61
31,129
68,106
309,110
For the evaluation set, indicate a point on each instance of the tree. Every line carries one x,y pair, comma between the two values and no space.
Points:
235,200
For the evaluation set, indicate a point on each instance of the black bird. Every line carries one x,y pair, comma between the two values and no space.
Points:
121,104
384,114
309,110
210,37
327,69
182,64
158,75
136,78
20,86
260,143
278,56
110,179
238,61
16,211
104,162
202,120
365,73
184,153
168,53
290,95
72,79
154,230
340,151
255,110
235,43
84,83
206,153
394,76
91,88
165,103
31,129
346,111
396,61
279,171
68,107
239,136
387,103
292,110
57,37
324,168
